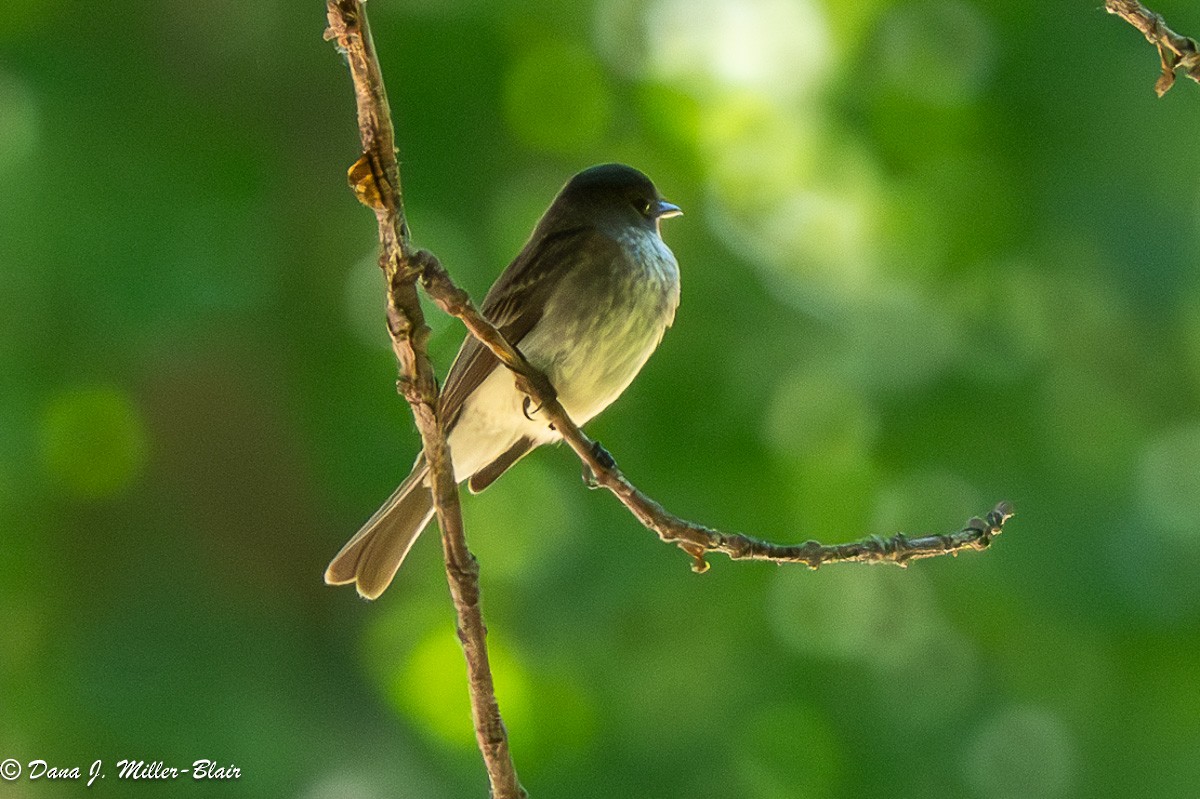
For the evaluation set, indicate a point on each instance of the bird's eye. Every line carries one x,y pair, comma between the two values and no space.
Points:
642,206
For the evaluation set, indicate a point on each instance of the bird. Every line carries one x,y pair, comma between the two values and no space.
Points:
587,300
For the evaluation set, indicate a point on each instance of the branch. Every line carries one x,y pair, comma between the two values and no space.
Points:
376,181
1174,51
694,539
375,178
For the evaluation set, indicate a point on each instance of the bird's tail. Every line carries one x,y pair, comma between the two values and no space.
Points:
370,559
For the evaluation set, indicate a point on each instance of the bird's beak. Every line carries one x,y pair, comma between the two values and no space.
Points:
666,210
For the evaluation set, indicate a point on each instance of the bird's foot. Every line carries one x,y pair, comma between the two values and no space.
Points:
602,457
527,408
534,384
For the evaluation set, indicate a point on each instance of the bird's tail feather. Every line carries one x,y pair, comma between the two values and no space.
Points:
370,559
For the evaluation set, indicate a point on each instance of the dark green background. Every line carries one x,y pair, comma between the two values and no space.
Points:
935,255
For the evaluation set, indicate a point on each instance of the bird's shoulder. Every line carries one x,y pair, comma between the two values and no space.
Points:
544,261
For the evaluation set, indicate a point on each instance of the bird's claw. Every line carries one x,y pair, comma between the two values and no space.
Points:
526,405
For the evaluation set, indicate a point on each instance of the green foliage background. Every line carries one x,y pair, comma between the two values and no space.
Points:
935,255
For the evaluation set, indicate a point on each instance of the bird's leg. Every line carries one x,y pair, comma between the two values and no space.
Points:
602,455
604,458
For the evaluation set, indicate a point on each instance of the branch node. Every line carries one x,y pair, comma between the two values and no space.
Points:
699,564
976,524
407,388
364,179
1174,50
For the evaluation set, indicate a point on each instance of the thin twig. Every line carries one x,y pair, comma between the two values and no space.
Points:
1174,51
695,539
375,178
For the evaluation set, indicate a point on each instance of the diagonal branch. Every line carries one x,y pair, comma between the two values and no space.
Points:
1174,51
695,539
375,178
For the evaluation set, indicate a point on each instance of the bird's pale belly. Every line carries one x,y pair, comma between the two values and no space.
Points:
590,344
588,376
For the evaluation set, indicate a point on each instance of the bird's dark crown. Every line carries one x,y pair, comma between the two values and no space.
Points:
611,179
609,194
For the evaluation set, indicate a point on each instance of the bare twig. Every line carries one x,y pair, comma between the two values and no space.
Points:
695,539
375,178
1174,51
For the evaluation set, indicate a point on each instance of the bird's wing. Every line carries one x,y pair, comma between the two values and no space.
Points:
488,474
516,302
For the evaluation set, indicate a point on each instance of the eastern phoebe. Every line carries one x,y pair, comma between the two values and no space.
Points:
587,300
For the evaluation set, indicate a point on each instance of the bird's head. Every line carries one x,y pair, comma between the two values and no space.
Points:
612,196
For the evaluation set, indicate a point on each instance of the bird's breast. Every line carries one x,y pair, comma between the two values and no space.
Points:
604,321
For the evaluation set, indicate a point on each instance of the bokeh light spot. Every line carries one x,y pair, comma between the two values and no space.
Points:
561,725
935,675
822,430
19,122
805,207
1021,753
873,615
779,47
900,341
941,52
817,414
760,153
825,235
557,99
620,34
93,440
925,502
851,21
1007,321
1089,426
431,687
344,786
1169,480
517,520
